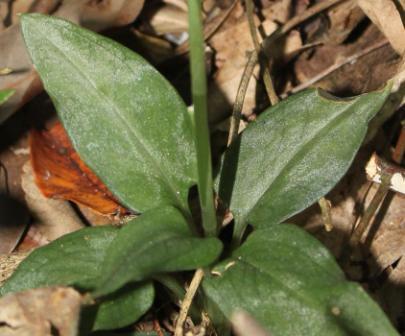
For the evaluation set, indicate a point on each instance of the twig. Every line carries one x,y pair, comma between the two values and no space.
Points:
253,59
325,206
335,67
268,82
240,97
371,209
157,328
384,187
188,299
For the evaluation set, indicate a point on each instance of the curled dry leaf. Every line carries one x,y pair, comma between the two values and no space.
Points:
388,248
40,312
387,18
94,14
343,19
53,218
374,170
60,173
169,19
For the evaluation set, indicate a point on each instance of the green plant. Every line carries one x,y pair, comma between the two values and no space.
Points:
131,127
5,95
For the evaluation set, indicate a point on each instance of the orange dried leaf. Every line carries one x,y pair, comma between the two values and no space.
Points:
60,173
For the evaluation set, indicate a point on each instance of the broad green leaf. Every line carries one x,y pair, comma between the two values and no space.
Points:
160,240
291,284
5,95
75,260
124,119
123,307
293,154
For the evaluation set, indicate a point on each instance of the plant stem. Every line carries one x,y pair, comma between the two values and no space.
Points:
240,97
268,82
325,206
371,210
199,93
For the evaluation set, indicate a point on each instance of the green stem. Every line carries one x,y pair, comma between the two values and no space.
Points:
199,93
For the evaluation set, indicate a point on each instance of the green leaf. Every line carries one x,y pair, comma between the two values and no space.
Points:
5,95
291,284
160,240
124,307
124,119
293,154
75,260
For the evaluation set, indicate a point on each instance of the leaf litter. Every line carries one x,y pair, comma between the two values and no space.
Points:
324,41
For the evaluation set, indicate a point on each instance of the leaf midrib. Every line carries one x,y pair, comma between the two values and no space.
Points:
131,256
297,153
143,146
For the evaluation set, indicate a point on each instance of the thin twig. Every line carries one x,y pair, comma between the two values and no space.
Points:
268,82
383,188
157,328
325,206
372,208
253,59
240,97
335,67
188,299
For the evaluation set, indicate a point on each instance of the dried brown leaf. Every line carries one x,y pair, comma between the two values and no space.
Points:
40,312
94,14
387,18
53,218
61,174
14,219
8,263
232,42
343,19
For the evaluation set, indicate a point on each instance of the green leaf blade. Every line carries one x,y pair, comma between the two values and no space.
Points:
291,284
125,120
5,95
75,260
293,154
72,260
156,242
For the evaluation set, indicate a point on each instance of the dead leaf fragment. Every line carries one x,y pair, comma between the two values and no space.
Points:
53,218
61,174
92,14
14,219
40,312
8,264
387,18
